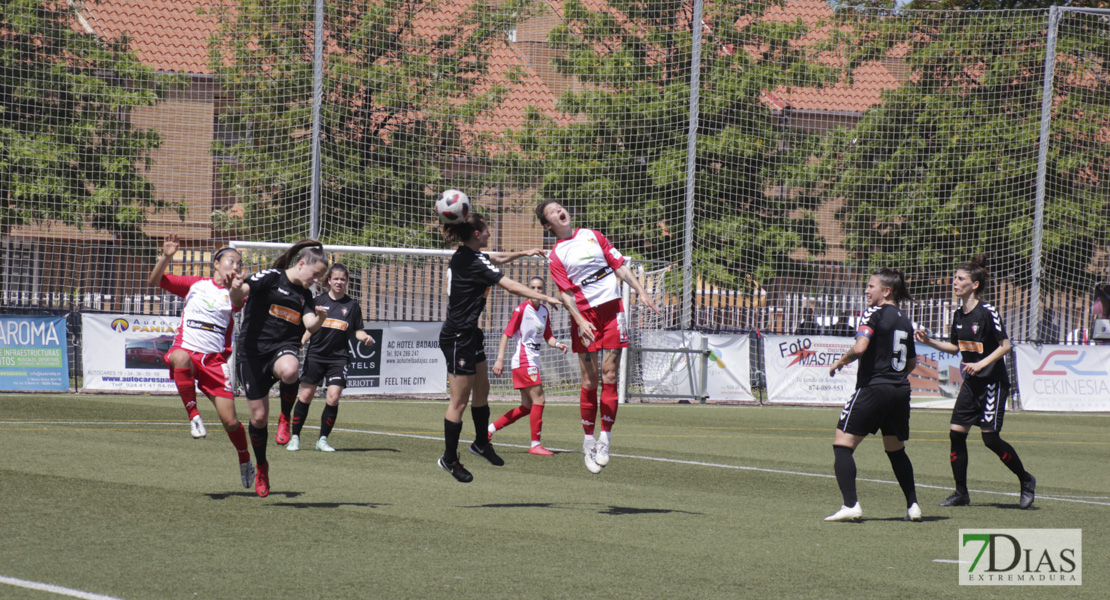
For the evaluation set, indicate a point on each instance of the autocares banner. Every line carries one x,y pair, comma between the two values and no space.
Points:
1063,378
404,359
729,365
33,354
124,352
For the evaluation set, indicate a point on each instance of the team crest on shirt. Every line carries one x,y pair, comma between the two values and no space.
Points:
343,311
975,328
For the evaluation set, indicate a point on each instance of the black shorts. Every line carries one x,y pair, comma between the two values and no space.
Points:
463,350
256,371
981,403
331,372
885,406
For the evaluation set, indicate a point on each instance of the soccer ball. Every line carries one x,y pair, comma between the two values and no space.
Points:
452,207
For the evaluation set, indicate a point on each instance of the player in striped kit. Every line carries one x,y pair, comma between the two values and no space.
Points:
980,337
586,268
202,345
531,321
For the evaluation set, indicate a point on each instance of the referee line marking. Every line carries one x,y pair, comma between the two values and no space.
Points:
54,589
1073,499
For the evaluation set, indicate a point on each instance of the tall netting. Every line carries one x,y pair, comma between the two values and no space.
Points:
756,159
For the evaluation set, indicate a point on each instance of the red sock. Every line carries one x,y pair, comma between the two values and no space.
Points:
510,417
609,400
239,440
183,379
587,405
535,419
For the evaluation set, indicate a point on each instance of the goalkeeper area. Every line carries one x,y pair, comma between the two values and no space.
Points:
109,496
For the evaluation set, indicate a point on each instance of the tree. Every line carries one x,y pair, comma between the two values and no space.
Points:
621,164
946,167
68,151
404,81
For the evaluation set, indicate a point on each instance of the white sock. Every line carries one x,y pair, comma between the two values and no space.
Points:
535,443
589,439
491,428
605,437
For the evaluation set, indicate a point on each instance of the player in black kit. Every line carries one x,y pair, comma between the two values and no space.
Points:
884,347
279,308
979,336
327,357
470,275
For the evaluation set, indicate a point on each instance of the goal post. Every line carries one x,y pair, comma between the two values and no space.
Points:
408,284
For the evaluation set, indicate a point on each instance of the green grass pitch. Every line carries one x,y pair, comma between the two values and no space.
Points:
110,495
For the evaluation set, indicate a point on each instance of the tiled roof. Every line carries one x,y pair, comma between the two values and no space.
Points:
167,35
173,36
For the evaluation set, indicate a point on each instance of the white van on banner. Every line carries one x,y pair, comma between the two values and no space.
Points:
124,352
798,371
404,359
1063,378
729,375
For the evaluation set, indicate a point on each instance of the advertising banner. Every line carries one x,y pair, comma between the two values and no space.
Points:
33,354
729,375
124,352
404,359
1063,378
798,371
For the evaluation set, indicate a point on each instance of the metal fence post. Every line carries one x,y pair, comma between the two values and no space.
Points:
691,167
1042,166
317,100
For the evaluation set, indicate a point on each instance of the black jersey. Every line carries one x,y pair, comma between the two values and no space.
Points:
343,320
888,355
978,333
470,275
274,314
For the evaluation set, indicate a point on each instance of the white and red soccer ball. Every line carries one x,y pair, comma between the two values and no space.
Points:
452,207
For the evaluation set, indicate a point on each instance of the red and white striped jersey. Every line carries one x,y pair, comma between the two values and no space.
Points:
206,320
584,265
534,328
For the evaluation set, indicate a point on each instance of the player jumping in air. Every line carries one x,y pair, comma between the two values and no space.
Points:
202,345
279,310
470,275
588,269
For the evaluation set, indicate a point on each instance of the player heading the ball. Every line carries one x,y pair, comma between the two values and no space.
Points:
470,274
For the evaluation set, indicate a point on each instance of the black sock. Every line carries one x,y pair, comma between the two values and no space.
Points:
258,437
1007,453
327,420
480,414
451,432
288,394
300,413
844,465
903,472
958,457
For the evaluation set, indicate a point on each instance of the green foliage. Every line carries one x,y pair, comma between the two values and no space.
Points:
621,164
946,167
68,151
397,106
